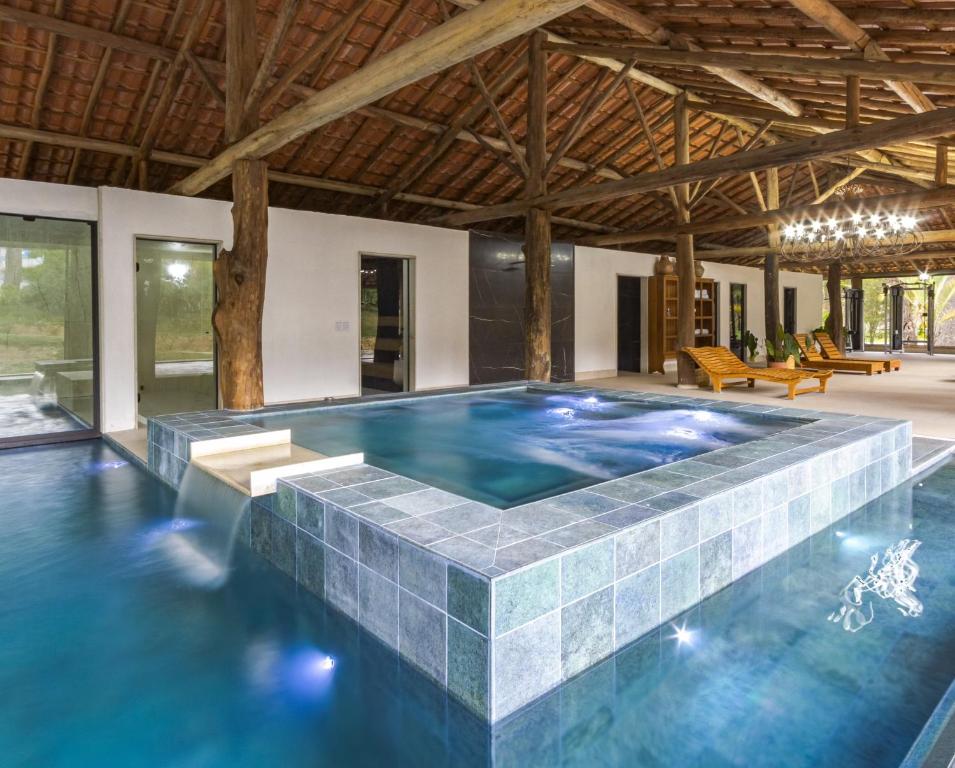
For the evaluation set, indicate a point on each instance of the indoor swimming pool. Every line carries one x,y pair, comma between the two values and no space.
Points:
109,656
510,447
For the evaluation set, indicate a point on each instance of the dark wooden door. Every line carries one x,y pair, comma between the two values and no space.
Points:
628,324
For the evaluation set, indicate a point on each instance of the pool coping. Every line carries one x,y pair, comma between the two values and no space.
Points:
499,638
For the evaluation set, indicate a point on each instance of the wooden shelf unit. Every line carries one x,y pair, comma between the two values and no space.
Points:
663,311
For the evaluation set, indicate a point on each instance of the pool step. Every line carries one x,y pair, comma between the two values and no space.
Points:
252,463
929,451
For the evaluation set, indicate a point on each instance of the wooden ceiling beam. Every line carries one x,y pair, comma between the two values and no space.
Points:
698,58
308,59
469,34
842,27
40,93
157,119
56,139
165,53
100,78
597,98
283,23
656,33
926,125
861,14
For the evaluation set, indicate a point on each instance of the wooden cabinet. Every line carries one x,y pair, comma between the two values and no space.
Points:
662,314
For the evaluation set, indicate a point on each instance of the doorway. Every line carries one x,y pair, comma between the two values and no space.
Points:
789,310
910,316
737,319
854,314
175,347
386,322
628,324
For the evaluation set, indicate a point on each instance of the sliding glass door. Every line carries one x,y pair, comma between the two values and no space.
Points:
48,331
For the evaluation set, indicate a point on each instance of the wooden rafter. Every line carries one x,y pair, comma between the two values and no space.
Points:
171,86
597,98
283,23
659,34
313,55
926,125
844,28
464,36
40,93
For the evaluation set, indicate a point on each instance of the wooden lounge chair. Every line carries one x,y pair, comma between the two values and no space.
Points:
831,352
721,364
809,355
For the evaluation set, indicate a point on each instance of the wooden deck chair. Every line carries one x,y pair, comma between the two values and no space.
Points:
721,365
812,358
831,352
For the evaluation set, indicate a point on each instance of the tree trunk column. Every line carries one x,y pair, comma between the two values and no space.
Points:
537,307
685,267
836,324
771,293
537,314
240,283
771,264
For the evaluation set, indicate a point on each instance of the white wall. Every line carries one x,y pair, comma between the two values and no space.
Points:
58,201
595,302
311,325
310,334
312,288
125,215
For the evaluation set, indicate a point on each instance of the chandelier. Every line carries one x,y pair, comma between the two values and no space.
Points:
857,235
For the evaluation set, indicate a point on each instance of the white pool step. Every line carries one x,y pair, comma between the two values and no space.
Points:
253,463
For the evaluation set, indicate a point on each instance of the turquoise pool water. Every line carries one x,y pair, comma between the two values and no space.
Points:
515,446
109,658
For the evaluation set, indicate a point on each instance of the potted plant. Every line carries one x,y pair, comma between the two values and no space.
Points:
783,351
751,343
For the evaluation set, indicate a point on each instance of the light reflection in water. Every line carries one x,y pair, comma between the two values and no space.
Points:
894,580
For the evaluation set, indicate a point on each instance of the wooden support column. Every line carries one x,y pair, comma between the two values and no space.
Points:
537,318
941,164
685,269
852,100
835,325
771,263
240,272
240,284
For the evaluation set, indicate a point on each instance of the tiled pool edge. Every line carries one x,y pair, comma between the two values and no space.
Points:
499,642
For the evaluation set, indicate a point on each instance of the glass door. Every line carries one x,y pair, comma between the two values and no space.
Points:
386,303
175,347
737,319
48,332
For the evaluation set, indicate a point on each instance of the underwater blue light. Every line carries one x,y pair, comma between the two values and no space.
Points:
682,635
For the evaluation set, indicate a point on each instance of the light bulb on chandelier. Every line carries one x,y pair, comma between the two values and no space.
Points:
855,235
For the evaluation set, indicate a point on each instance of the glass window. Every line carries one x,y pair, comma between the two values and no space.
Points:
47,329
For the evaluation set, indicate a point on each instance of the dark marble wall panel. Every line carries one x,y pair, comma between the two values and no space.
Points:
496,312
